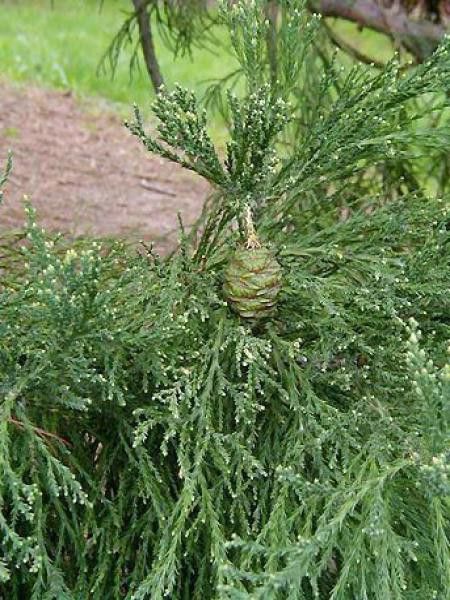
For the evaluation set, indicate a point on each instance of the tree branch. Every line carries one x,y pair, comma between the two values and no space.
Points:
420,37
147,42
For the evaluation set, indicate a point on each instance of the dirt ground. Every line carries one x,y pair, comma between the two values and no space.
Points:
86,174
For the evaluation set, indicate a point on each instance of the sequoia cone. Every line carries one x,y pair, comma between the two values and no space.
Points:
252,281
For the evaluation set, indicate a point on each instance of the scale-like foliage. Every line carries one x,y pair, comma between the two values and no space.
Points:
155,444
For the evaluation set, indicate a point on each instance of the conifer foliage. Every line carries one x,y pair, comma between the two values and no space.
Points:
155,443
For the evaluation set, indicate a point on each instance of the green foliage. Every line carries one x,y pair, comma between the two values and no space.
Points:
155,444
212,454
291,147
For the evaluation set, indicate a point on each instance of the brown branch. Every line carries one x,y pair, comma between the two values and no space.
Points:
420,37
147,43
41,432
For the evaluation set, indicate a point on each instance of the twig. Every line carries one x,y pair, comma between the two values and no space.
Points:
353,52
154,188
41,432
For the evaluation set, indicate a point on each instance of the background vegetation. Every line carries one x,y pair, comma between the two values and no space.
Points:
61,45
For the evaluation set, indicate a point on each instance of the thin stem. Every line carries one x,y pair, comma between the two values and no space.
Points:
143,12
41,432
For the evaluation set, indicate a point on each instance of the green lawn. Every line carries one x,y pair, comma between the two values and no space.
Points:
59,44
61,47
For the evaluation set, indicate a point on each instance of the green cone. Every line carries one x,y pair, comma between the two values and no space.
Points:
252,282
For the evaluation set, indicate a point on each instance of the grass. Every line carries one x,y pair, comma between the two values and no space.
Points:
62,46
59,44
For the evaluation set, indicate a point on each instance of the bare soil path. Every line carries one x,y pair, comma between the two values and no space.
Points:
86,174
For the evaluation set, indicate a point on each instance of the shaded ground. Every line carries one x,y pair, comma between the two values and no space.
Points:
86,174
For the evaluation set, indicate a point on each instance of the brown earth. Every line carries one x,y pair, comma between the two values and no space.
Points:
85,173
